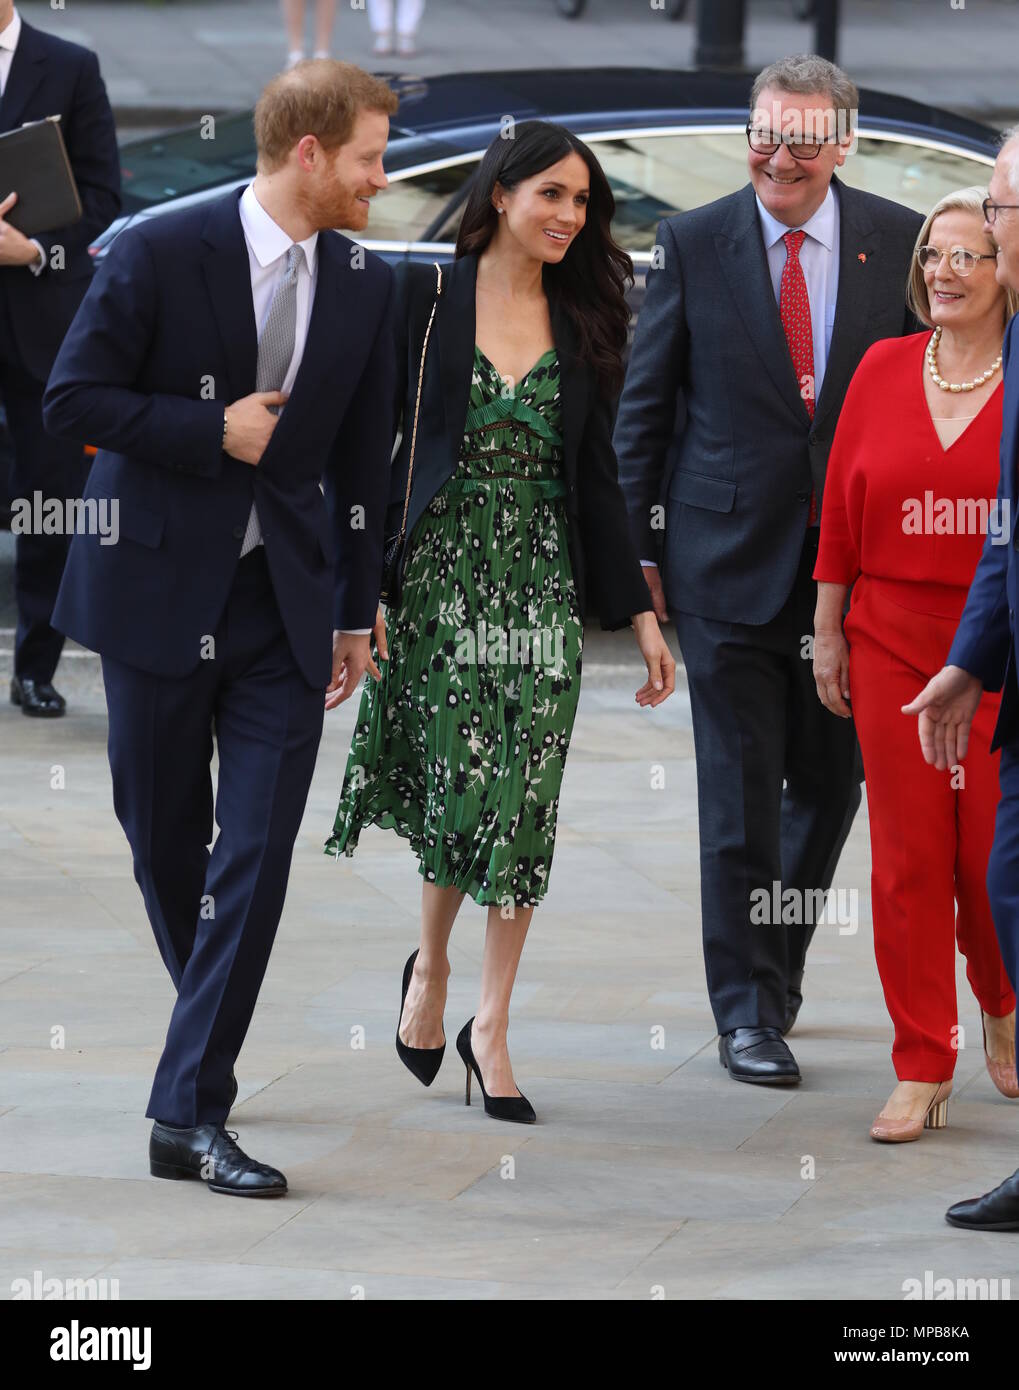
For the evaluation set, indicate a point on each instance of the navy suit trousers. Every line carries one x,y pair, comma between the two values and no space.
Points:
777,790
214,914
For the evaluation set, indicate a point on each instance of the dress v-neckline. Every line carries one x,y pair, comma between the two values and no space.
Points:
526,374
930,418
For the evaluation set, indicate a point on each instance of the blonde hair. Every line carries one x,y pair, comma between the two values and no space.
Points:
321,97
963,200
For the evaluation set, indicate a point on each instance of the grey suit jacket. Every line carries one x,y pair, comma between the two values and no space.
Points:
711,425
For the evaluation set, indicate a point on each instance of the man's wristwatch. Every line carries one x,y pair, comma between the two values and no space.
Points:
226,426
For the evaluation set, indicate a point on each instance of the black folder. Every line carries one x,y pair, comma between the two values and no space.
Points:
34,164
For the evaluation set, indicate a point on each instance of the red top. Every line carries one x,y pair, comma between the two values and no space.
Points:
897,505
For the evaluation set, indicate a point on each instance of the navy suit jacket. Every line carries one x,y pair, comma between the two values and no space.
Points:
711,398
985,639
51,77
163,340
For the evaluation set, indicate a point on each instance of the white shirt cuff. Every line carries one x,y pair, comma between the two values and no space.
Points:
649,563
356,631
38,269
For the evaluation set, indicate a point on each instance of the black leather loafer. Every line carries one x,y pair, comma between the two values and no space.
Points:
758,1055
210,1154
994,1211
37,698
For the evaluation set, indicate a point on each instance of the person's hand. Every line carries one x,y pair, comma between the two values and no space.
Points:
661,668
946,706
654,583
831,672
351,658
15,247
379,633
249,425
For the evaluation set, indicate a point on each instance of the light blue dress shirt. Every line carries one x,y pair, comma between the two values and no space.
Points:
819,257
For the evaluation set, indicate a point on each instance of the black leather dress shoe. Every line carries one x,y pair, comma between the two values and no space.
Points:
758,1055
994,1211
37,697
210,1154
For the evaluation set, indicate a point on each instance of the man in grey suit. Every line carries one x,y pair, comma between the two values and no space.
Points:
759,307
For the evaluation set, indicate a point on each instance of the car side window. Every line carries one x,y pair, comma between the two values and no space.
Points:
407,208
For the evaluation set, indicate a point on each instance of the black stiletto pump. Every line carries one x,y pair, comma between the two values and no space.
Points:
424,1062
517,1108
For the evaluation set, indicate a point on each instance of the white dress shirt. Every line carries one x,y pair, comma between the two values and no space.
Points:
8,43
268,245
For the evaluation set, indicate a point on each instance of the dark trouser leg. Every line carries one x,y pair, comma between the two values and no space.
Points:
56,470
772,763
268,723
823,773
160,749
738,689
1003,866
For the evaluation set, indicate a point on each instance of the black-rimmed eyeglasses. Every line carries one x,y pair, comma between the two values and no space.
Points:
765,142
991,209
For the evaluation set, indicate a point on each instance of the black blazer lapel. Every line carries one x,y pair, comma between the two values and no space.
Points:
453,335
228,280
27,68
859,281
744,263
573,388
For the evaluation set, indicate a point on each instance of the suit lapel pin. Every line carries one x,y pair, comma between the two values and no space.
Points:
862,258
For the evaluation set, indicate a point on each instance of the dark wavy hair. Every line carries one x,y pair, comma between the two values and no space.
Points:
590,281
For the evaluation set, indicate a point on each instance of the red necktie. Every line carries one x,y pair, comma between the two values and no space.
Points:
794,311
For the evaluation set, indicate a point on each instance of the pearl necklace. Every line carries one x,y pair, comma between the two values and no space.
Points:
939,380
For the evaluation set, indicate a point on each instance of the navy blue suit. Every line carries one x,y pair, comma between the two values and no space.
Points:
195,640
985,645
49,77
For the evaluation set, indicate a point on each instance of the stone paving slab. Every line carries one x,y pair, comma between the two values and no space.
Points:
648,1168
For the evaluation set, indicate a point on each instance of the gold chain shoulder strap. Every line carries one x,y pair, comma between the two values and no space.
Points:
417,403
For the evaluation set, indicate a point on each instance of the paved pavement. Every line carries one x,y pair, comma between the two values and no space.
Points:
649,1172
165,62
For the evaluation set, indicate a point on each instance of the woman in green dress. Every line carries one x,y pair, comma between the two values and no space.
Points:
515,527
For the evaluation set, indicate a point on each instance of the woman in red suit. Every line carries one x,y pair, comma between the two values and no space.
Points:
909,496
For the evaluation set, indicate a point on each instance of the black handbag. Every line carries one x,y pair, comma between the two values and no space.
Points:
392,552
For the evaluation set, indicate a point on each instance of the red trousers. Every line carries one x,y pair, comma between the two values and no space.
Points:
930,840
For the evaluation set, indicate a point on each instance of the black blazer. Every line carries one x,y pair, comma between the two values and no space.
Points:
606,567
711,395
51,77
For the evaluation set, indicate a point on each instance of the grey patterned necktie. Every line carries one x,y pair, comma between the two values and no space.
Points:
275,351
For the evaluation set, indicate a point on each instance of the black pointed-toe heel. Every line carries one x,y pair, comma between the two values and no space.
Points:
517,1108
424,1062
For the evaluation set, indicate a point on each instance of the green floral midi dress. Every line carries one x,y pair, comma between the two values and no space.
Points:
461,746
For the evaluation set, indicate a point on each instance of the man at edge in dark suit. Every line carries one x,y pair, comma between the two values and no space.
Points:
42,281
